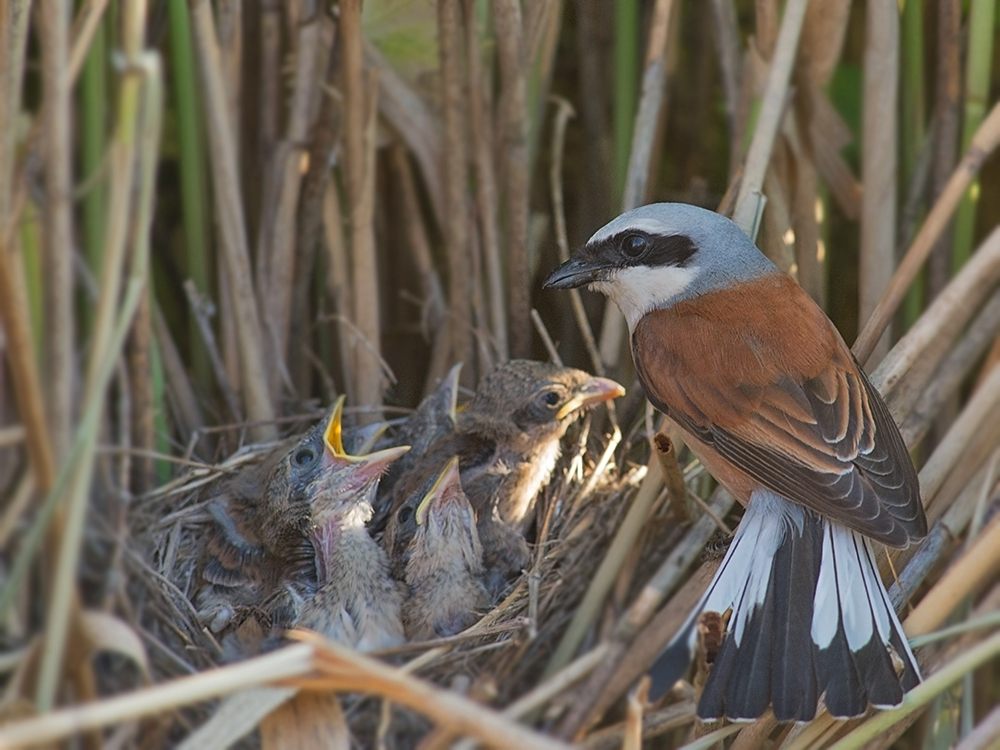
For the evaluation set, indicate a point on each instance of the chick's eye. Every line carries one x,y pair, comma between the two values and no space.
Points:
305,456
405,514
550,398
634,245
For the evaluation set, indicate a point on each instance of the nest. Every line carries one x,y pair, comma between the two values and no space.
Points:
498,660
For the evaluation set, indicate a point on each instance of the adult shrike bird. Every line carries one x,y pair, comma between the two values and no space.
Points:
768,396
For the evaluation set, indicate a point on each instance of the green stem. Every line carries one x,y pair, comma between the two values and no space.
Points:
194,202
977,86
626,87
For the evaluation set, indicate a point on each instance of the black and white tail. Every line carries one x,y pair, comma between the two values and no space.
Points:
810,619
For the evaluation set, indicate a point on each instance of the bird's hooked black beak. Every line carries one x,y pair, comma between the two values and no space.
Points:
574,273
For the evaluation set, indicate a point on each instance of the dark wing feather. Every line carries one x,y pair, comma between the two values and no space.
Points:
785,403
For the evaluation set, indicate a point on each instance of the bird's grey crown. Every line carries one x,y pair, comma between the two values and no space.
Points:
722,253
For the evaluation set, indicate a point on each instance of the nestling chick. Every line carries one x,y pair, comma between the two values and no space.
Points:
258,542
356,603
443,563
260,564
507,442
433,418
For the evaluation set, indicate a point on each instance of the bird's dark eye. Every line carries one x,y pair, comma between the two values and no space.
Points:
634,245
305,456
550,398
405,514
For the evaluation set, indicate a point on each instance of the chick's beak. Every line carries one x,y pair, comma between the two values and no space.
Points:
574,273
367,464
595,391
444,486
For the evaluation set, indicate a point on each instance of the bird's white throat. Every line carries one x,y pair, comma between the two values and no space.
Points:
639,289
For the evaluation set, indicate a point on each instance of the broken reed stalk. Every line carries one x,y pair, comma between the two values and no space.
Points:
878,167
983,143
229,207
644,128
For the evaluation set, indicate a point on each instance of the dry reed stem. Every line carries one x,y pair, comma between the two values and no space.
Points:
85,26
804,224
309,721
947,90
878,167
983,143
13,43
359,156
606,573
59,346
323,137
613,329
543,334
138,354
338,280
134,154
289,662
457,229
235,248
901,376
953,370
487,196
513,132
653,725
985,735
727,40
980,410
347,670
236,716
563,112
20,356
278,240
200,309
416,126
975,567
626,662
772,109
922,694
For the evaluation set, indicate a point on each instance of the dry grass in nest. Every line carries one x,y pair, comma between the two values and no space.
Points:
500,658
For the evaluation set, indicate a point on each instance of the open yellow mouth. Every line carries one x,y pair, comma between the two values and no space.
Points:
448,476
333,437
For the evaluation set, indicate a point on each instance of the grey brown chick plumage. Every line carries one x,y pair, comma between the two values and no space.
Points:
442,567
507,441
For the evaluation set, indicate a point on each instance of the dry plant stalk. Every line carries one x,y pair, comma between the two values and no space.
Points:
457,228
983,143
878,168
359,141
235,247
513,130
